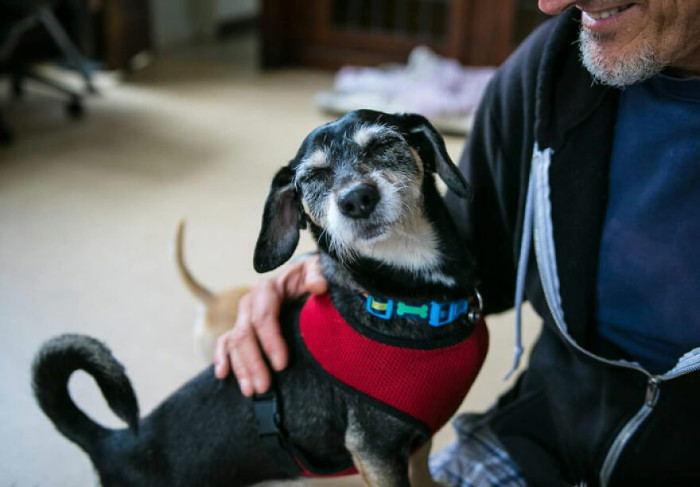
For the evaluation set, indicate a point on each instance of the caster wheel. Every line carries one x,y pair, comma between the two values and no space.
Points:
74,109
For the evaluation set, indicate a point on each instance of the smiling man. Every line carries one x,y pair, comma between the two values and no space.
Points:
584,163
624,43
607,98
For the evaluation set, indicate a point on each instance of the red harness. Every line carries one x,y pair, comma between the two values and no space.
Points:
426,384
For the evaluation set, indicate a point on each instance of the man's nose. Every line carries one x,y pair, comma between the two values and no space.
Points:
554,7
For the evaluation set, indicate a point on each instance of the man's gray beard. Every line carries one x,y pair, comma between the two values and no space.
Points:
617,71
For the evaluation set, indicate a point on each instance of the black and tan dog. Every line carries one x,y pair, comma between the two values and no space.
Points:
375,367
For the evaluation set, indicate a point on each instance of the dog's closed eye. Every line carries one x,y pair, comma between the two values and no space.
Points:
380,143
316,165
313,173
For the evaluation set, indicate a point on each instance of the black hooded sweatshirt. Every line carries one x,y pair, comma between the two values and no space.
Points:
580,412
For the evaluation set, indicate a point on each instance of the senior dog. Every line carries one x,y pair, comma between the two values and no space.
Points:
376,366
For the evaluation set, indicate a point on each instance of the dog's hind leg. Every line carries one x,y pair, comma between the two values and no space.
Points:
380,464
418,470
377,472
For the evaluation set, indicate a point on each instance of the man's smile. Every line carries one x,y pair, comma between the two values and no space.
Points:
611,19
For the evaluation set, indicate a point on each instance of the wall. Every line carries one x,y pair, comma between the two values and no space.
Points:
176,22
170,22
235,9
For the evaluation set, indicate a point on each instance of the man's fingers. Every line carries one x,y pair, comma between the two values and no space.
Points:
315,280
241,374
247,362
238,350
301,278
257,330
222,366
265,307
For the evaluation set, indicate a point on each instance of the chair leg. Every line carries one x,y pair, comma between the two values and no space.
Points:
74,107
31,73
13,36
53,26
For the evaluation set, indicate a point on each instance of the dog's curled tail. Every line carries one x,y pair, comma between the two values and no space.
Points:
53,365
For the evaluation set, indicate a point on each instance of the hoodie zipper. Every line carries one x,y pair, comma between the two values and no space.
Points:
652,395
540,162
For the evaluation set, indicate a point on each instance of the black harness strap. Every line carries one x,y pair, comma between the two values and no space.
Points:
268,414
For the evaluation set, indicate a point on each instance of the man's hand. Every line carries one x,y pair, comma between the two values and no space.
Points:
257,326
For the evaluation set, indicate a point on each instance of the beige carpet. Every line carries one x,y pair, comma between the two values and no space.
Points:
88,211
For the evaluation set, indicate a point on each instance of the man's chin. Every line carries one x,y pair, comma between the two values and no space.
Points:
617,69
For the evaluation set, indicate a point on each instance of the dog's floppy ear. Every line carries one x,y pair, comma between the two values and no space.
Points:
282,219
422,136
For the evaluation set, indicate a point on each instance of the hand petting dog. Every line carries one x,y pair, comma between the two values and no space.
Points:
257,326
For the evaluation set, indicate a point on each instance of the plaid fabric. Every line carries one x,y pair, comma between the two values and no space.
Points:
476,458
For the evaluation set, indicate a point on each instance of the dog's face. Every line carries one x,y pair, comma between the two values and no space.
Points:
359,181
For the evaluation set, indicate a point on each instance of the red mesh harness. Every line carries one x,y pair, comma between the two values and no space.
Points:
426,384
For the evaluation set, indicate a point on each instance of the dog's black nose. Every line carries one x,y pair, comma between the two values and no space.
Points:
358,201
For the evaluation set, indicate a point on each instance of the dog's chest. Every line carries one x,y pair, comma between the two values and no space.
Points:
427,384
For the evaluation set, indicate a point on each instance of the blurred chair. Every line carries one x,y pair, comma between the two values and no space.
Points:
17,17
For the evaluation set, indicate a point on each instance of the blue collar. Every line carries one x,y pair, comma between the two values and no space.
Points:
433,312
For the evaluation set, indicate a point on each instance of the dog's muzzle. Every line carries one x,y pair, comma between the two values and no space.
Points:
358,201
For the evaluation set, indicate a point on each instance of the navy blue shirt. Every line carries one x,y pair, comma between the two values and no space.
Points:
648,289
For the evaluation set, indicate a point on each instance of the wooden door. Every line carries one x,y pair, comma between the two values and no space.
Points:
333,33
124,31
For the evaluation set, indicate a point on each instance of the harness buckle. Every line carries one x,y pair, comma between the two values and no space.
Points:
267,414
380,309
444,313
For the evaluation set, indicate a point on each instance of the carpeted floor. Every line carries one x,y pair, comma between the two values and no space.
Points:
88,211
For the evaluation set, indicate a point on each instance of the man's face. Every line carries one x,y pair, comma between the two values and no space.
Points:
626,42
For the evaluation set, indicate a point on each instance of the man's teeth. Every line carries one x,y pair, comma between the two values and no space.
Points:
604,14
